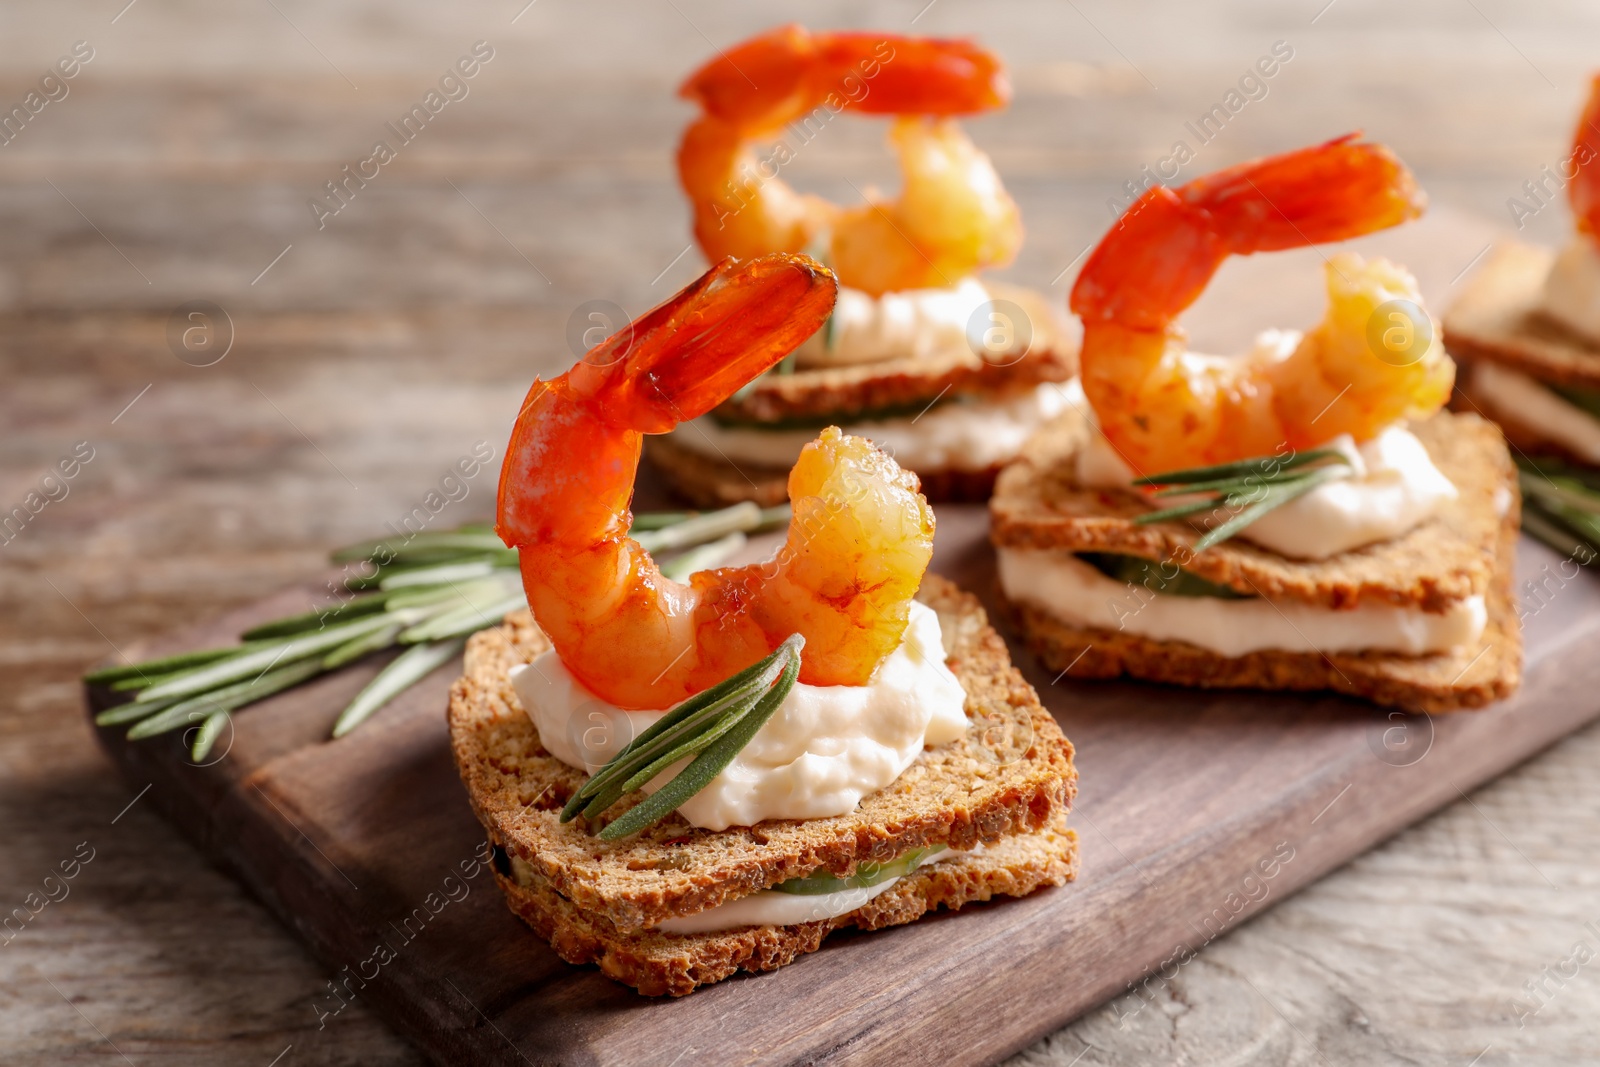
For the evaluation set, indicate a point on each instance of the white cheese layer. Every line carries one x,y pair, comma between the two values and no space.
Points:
911,322
1067,588
960,435
768,907
1572,288
1510,394
824,749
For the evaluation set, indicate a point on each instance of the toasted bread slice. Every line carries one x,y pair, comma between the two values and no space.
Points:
1011,774
1498,317
708,482
841,392
658,963
1466,550
1038,504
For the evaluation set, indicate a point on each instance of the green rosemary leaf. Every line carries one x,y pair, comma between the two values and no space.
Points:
710,763
1266,466
1177,511
408,668
478,613
257,660
1552,531
365,604
703,557
445,541
702,528
440,575
146,680
866,875
1276,496
207,735
226,698
132,711
681,723
655,520
357,647
152,667
1560,490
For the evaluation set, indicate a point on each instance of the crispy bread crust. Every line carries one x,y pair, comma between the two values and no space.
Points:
712,483
1498,318
1037,504
655,963
1052,356
1012,773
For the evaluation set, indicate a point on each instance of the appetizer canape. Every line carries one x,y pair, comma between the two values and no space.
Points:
1303,517
948,373
680,781
1527,331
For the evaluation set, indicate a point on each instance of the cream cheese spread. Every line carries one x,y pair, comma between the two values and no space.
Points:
960,435
1067,588
1510,394
918,323
824,749
1572,288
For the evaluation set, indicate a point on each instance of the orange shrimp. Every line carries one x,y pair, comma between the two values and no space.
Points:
1165,408
858,544
1584,191
953,216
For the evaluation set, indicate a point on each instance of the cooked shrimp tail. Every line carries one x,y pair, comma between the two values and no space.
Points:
952,218
1164,408
673,364
1164,251
861,537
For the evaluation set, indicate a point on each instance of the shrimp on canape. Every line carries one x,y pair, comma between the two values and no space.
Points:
858,544
952,218
1164,408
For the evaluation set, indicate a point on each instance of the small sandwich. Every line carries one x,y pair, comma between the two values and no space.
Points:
1304,517
947,372
682,781
1527,331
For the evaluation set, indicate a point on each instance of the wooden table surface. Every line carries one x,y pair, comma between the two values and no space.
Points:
369,355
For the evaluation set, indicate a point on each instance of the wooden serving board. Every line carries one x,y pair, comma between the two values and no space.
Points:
1196,810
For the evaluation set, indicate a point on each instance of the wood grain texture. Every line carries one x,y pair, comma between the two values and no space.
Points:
409,329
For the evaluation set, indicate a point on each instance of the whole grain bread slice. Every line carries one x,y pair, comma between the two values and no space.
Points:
840,392
1467,677
708,482
1498,318
1038,504
657,963
1011,773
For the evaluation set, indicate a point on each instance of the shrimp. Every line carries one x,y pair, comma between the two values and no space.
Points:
953,216
1584,191
1162,407
857,546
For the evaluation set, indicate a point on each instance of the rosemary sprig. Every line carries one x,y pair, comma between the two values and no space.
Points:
1561,506
427,597
1249,488
712,726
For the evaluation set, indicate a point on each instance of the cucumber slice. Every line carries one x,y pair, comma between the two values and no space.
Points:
866,876
1148,573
